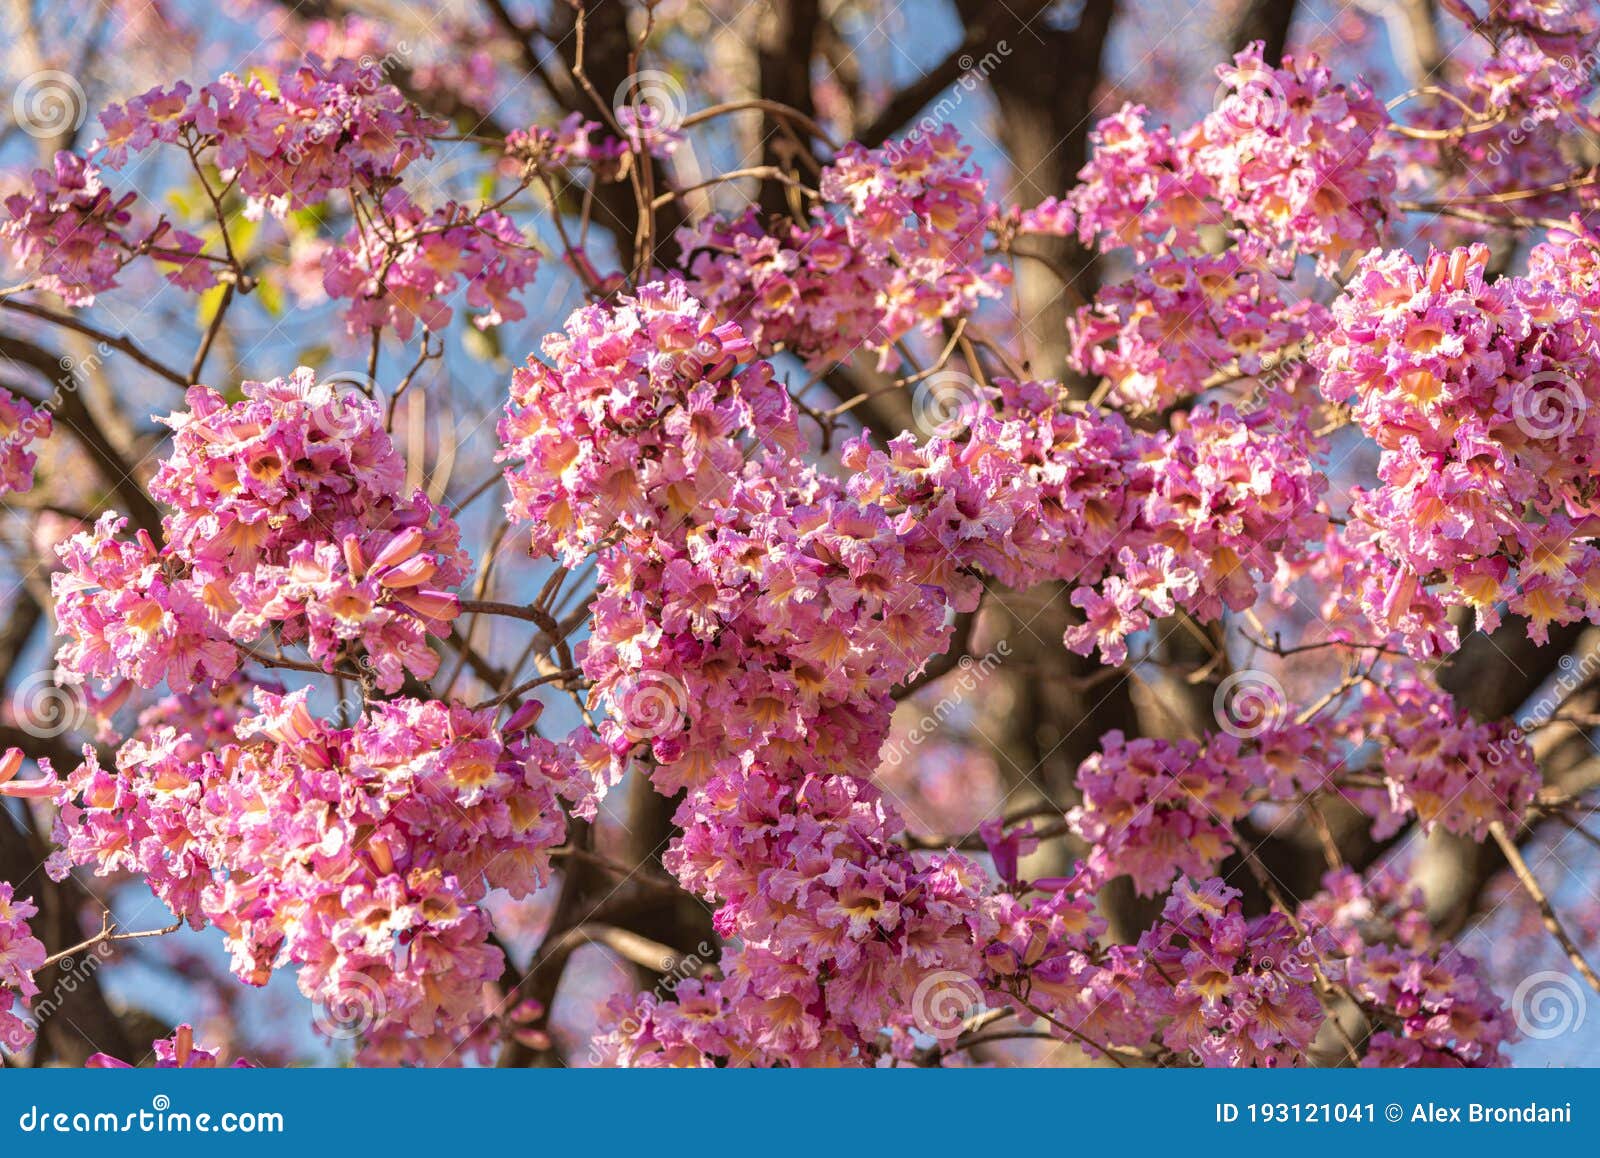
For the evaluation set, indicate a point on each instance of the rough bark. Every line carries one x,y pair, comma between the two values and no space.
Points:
787,42
1267,21
1044,88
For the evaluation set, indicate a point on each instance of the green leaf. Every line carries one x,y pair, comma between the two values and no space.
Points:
210,302
271,298
482,345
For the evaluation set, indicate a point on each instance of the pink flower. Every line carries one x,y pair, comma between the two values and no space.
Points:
69,233
896,246
360,854
397,268
177,1052
21,955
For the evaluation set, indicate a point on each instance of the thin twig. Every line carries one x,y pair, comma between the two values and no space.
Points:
107,936
1525,875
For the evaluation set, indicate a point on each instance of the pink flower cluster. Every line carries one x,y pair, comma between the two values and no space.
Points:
71,233
1206,984
1514,107
1140,189
362,855
1295,158
570,145
1287,156
1554,25
1155,808
897,245
1243,991
1216,504
1141,523
1364,596
21,954
147,816
642,1031
1430,1005
1449,770
397,267
645,415
1481,396
748,628
1165,333
457,57
1047,951
319,127
289,510
315,128
20,424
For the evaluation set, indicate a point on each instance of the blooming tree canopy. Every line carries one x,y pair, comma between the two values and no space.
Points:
737,572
